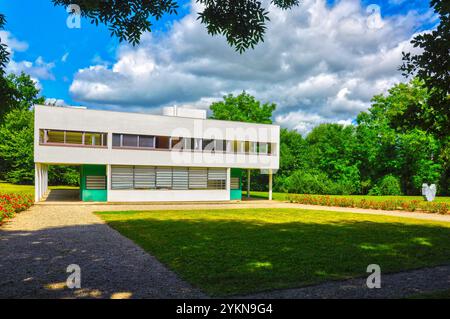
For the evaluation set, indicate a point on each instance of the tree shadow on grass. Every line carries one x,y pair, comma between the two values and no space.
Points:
227,257
33,265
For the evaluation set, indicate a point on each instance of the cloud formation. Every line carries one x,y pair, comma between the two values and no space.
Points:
318,63
37,69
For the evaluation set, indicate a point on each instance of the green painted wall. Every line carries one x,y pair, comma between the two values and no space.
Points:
92,195
236,194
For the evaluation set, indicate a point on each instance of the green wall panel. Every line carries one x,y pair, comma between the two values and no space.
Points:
92,195
236,194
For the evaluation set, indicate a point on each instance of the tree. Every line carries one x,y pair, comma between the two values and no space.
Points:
331,150
389,146
16,129
6,92
17,136
243,108
432,66
16,146
23,94
242,22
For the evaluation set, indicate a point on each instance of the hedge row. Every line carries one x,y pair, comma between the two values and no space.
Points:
11,204
390,204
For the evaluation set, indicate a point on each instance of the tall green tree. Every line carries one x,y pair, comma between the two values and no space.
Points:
17,136
243,108
16,129
16,147
388,146
432,66
331,150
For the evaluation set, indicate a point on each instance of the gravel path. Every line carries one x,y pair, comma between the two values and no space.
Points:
37,246
398,285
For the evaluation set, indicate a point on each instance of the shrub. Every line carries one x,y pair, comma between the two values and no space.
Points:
388,185
316,182
390,204
11,204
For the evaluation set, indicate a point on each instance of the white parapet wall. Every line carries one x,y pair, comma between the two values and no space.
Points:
75,119
167,195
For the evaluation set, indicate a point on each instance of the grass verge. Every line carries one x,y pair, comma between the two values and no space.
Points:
240,251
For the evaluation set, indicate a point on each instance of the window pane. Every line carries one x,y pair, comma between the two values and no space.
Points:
144,177
263,148
164,177
217,178
220,145
162,142
146,141
93,139
253,147
180,178
122,177
197,144
95,182
198,178
208,145
55,136
176,143
235,183
74,137
116,140
129,140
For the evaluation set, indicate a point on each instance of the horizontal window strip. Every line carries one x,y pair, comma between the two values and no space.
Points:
176,178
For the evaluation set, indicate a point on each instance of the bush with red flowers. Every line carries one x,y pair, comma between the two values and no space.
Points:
389,204
11,204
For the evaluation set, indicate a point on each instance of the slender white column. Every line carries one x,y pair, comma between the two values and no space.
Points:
229,182
270,184
248,183
45,179
36,182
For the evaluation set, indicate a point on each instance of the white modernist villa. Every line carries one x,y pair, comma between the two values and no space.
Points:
131,157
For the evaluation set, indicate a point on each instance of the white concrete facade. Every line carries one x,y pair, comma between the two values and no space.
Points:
111,122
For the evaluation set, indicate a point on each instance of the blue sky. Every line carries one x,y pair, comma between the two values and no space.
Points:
180,64
43,27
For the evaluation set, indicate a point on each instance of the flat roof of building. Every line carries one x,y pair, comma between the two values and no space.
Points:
85,109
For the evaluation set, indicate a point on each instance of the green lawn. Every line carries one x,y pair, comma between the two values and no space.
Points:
25,189
283,196
238,251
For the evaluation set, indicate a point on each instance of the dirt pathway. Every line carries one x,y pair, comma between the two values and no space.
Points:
37,246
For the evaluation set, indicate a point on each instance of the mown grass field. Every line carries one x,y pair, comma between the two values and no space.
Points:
284,196
240,251
6,188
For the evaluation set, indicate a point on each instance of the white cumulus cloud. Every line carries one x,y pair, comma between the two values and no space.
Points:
318,63
37,69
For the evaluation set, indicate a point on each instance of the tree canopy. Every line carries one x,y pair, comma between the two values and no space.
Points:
379,155
432,66
243,108
17,135
242,22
